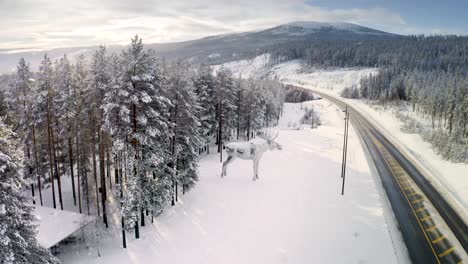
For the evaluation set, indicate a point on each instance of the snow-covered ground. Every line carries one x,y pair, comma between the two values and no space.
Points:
295,213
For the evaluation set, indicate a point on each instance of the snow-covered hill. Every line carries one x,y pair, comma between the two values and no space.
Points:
293,72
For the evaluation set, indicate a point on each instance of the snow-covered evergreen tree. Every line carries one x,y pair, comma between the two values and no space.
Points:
22,109
43,115
186,125
18,243
225,105
137,115
205,86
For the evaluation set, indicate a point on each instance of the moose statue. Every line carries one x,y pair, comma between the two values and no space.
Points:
251,150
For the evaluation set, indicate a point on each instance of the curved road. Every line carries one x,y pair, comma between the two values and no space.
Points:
432,230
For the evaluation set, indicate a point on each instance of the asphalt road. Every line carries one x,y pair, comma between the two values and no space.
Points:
432,230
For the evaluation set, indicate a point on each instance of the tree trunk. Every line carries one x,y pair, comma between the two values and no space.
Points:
93,154
102,172
220,133
108,159
135,144
57,175
174,154
51,165
70,155
78,172
39,187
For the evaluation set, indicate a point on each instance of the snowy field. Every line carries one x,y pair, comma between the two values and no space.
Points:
294,214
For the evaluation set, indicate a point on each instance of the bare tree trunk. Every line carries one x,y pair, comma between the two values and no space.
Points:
93,154
108,158
49,148
59,182
102,173
173,154
39,187
78,172
116,168
70,155
135,144
85,174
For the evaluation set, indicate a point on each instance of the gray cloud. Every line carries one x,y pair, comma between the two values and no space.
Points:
57,23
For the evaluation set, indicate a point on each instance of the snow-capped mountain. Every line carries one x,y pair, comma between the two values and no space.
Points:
220,48
302,28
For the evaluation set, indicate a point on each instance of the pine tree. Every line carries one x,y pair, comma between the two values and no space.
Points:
204,83
137,117
43,116
18,241
186,127
22,102
224,97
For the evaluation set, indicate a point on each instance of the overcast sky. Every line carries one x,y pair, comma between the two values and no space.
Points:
40,24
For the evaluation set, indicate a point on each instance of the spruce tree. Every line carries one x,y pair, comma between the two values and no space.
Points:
18,231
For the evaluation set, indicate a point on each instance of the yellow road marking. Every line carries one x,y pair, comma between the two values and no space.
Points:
420,209
437,240
431,228
411,194
417,201
425,218
446,252
380,146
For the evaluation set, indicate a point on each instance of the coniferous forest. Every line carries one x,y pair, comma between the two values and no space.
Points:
144,120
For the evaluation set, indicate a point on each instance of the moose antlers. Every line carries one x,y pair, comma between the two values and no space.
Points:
268,134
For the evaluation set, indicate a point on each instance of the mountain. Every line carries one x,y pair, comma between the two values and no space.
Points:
220,48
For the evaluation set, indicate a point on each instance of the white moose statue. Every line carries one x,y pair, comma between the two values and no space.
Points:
251,150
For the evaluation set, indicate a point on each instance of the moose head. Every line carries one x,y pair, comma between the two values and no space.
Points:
270,137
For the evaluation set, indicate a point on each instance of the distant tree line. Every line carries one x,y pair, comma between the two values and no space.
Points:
134,116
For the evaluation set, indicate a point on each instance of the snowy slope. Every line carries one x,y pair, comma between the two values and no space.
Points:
254,68
292,72
293,214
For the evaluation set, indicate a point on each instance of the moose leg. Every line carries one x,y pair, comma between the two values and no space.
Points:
225,164
256,169
255,165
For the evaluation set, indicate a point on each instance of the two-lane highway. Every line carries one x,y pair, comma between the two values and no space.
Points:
432,230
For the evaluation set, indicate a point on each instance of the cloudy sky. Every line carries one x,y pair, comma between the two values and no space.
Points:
40,24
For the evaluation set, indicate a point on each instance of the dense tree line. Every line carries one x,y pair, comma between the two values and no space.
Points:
438,96
132,116
446,53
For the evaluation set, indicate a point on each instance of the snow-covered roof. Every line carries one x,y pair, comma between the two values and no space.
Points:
56,225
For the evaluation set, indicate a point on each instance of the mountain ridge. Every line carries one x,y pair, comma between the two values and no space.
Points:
216,48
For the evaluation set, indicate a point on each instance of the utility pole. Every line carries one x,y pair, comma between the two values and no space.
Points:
345,148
